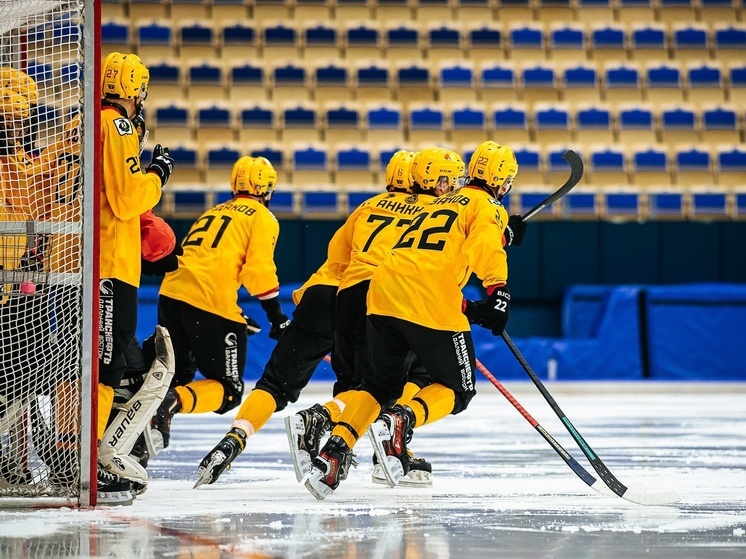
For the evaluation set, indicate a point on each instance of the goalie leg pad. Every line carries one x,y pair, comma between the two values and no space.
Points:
133,416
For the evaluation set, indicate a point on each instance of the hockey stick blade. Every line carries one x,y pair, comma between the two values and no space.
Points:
579,470
576,173
637,494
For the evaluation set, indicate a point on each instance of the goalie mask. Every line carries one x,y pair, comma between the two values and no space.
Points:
124,76
399,171
437,171
254,176
21,83
493,166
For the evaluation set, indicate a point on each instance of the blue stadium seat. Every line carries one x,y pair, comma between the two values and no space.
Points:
320,202
711,205
593,124
213,122
196,40
65,33
557,168
332,82
219,162
71,74
354,167
239,42
704,83
580,83
636,125
165,77
373,81
663,82
736,82
693,167
187,166
41,73
608,41
579,204
531,170
171,123
731,166
622,83
115,35
621,204
567,42
729,42
47,116
689,41
257,122
384,123
498,83
154,39
362,41
413,82
650,167
648,42
283,202
354,199
246,81
189,199
719,125
739,206
510,123
273,153
526,42
468,124
300,122
539,83
280,41
666,205
444,41
402,40
678,125
484,40
310,165
426,123
204,81
342,123
290,82
320,39
456,82
551,123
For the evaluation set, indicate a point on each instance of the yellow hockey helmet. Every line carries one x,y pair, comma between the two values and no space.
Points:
431,165
399,170
253,175
495,164
13,106
124,76
19,82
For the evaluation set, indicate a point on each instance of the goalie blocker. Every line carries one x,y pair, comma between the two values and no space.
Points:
120,436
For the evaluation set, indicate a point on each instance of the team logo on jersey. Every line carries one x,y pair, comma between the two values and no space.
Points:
411,199
124,126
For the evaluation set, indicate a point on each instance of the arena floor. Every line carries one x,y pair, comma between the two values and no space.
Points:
499,489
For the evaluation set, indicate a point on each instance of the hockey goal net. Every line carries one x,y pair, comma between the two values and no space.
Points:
46,247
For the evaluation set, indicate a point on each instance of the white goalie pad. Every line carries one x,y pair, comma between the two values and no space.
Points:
133,416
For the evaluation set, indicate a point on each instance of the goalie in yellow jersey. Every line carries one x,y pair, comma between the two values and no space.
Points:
415,305
230,245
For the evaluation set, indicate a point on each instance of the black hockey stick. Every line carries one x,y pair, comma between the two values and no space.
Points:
581,472
639,494
576,173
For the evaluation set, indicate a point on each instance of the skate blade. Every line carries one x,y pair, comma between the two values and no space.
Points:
114,498
392,468
204,477
153,441
294,427
316,487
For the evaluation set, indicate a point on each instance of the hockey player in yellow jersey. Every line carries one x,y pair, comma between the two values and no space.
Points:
126,191
415,305
229,246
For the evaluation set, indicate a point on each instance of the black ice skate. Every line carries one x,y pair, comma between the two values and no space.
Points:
219,459
305,430
159,434
329,468
113,490
389,435
419,474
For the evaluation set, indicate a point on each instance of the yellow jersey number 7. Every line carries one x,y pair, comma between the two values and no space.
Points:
444,219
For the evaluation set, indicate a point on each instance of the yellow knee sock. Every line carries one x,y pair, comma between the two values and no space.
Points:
337,405
361,410
255,411
105,402
410,389
432,403
200,396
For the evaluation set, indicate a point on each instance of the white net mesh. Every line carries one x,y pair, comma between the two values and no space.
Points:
40,261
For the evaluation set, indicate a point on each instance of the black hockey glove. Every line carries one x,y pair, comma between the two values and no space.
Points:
162,163
493,312
515,230
276,317
162,266
252,326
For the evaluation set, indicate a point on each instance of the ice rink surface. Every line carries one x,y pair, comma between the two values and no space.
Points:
499,489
